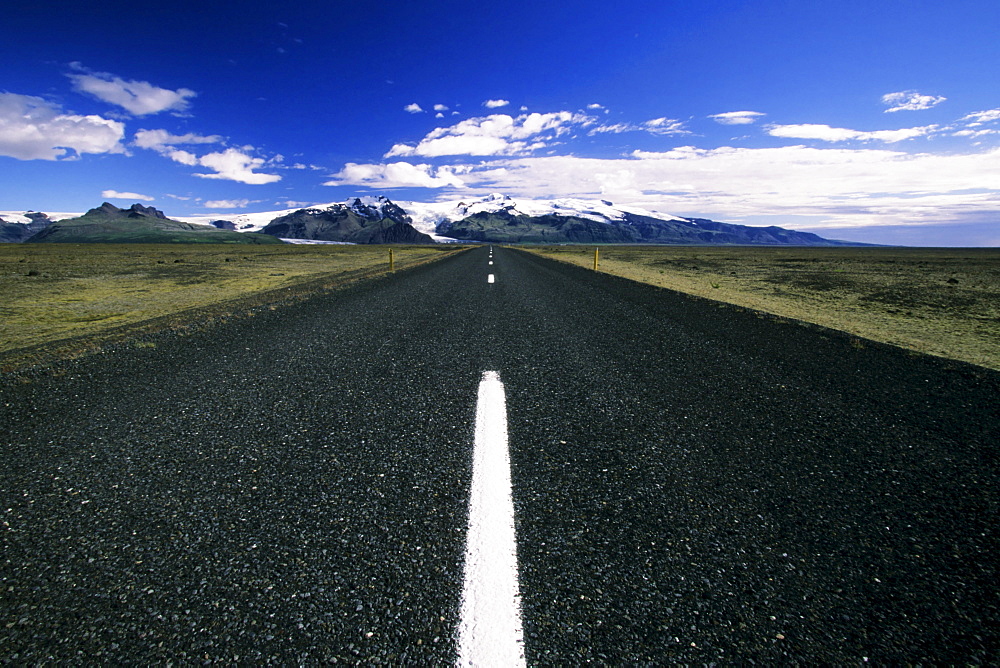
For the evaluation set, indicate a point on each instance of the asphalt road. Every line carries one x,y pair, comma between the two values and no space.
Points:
692,484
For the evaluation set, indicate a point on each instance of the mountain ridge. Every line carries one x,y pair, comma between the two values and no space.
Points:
495,218
18,231
500,218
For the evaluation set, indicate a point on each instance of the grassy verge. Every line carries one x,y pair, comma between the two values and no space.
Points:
943,302
59,299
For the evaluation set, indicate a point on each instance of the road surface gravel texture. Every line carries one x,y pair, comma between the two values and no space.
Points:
693,483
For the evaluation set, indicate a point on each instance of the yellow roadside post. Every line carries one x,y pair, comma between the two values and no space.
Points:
595,259
392,261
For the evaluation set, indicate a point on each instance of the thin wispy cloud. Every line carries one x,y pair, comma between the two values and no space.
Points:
665,126
974,134
158,139
657,126
831,134
980,117
737,117
228,203
139,98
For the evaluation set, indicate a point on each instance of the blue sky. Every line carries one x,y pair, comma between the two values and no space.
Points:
871,121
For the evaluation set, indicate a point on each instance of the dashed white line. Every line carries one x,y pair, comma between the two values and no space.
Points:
491,279
490,632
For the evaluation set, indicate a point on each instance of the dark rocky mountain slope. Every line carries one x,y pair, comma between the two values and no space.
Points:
509,226
17,232
357,222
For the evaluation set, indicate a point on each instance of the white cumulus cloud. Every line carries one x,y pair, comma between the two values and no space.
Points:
231,164
497,134
495,104
910,100
234,165
395,175
736,117
413,108
33,129
182,156
139,98
440,107
114,194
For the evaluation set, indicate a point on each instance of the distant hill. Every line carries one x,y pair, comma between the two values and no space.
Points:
138,224
356,222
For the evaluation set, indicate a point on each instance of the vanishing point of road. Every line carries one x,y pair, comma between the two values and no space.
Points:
688,483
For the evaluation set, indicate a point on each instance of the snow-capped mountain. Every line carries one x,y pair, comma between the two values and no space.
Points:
242,222
428,216
376,221
493,218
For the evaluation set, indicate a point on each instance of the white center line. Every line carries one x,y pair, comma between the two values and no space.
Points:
490,633
490,279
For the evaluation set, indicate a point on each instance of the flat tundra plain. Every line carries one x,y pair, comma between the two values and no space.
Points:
64,299
939,301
